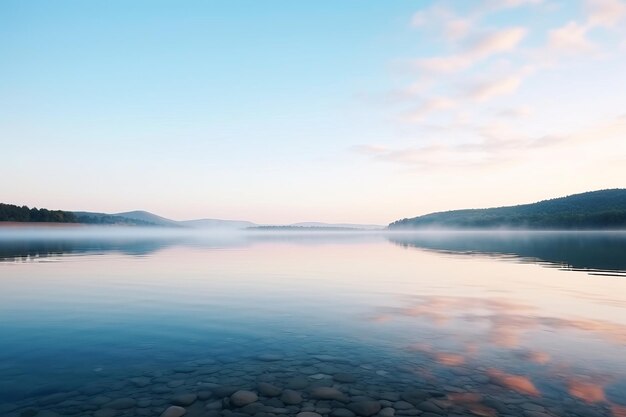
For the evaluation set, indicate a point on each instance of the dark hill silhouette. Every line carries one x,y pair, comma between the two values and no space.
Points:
604,209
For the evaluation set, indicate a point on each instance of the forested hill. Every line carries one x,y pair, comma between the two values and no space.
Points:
604,209
13,213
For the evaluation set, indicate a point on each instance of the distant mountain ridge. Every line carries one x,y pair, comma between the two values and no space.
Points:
23,214
603,209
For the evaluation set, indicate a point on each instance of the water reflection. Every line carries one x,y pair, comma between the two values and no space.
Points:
597,252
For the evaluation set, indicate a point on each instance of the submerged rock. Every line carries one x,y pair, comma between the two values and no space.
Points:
269,357
365,408
105,412
121,404
341,412
268,390
328,393
291,397
344,377
140,381
242,398
174,411
308,414
387,412
184,399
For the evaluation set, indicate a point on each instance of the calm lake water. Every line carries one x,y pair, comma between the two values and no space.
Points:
433,324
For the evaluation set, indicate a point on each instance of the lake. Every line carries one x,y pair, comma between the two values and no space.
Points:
130,322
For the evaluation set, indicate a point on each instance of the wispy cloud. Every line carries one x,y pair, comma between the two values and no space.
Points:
479,48
607,13
498,144
571,38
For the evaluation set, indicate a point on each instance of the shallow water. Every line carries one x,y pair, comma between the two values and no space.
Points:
487,324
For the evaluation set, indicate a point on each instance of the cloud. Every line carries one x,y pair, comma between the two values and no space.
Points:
493,88
443,20
571,38
493,144
605,13
478,49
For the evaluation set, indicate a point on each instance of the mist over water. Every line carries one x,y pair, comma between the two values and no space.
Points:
110,321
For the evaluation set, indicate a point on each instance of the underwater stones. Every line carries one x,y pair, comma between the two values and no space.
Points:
344,377
184,399
224,391
387,412
175,383
144,402
320,376
160,389
121,404
329,358
100,400
402,405
341,412
308,414
429,406
291,397
105,412
242,398
140,381
298,382
47,413
389,396
414,396
269,357
328,393
184,369
268,390
174,411
215,405
365,408
204,395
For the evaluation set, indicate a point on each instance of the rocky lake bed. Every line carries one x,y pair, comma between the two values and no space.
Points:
313,385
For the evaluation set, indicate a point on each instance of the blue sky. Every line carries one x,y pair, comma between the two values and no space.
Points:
280,111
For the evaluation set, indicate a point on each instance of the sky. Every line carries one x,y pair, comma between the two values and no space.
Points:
274,111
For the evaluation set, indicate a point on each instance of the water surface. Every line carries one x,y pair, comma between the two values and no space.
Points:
488,324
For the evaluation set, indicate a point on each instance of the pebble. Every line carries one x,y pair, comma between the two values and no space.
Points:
308,414
184,399
341,412
387,412
121,403
105,412
402,405
414,396
268,390
291,397
204,395
174,411
365,408
224,391
429,406
269,357
140,381
215,405
328,393
344,377
298,382
242,398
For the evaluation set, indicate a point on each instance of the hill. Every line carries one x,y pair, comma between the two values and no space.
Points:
149,218
604,209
